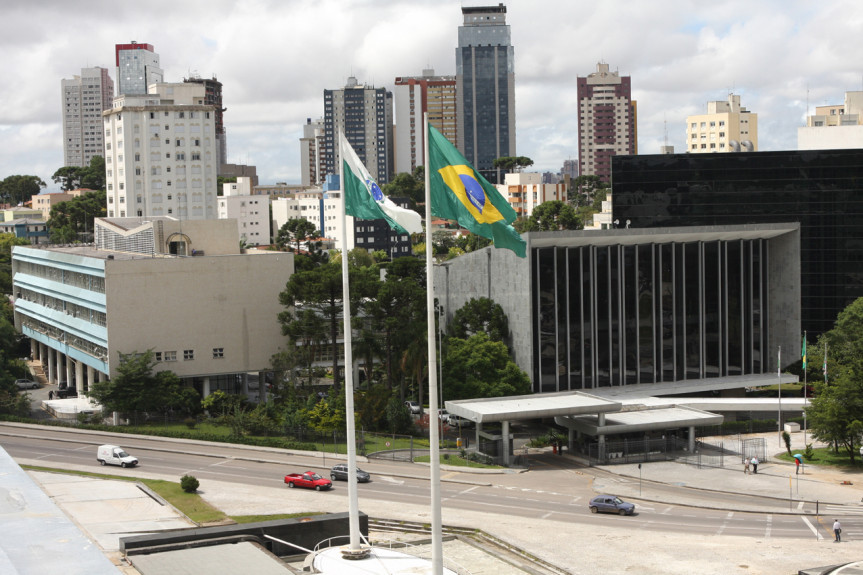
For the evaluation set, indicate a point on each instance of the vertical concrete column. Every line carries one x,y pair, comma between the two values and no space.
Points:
691,439
62,376
34,349
69,371
570,442
90,375
478,429
504,429
52,368
79,377
101,376
206,386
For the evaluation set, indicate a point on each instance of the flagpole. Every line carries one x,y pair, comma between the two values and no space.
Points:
805,383
353,503
779,374
434,419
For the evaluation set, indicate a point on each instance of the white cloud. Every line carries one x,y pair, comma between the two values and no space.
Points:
275,58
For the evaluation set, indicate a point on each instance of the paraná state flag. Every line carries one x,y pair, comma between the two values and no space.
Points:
364,198
458,192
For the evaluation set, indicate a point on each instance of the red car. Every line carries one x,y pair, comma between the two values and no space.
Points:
309,479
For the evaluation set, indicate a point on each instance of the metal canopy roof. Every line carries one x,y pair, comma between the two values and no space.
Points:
530,406
641,420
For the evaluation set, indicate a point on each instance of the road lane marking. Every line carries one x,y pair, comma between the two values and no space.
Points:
769,527
725,523
812,527
667,510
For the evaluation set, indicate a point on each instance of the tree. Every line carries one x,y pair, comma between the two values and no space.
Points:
553,215
478,367
296,230
398,415
7,242
19,189
71,218
835,414
69,178
480,315
512,163
405,185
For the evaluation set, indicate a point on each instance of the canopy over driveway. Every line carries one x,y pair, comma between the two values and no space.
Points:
518,407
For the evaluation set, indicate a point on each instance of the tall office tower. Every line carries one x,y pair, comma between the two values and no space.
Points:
161,157
313,153
726,127
834,127
214,98
607,121
415,96
365,114
84,99
485,84
137,68
570,168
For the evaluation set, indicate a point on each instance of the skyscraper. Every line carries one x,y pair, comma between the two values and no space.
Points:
607,121
485,83
415,95
84,99
312,153
137,68
726,127
213,97
365,114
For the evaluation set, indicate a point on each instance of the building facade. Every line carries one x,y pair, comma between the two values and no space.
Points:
161,156
137,68
213,97
485,85
415,96
365,115
313,153
640,309
85,97
834,127
181,289
726,127
607,121
525,191
252,212
822,190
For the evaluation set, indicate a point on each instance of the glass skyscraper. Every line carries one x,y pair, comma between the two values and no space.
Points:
485,83
137,68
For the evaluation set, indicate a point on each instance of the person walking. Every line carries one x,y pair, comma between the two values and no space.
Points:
746,466
837,531
755,464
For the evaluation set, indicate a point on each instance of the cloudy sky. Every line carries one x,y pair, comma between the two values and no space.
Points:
275,58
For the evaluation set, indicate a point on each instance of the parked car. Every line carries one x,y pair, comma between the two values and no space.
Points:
414,407
442,414
26,384
114,455
454,420
340,472
309,479
611,504
65,392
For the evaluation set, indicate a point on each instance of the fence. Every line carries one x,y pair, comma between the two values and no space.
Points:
726,452
633,451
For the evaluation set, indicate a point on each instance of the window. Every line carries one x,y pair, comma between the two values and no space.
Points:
218,352
158,356
170,356
188,354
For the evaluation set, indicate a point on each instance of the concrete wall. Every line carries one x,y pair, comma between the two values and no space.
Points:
783,299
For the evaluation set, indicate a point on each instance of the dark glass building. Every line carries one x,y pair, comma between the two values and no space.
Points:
822,190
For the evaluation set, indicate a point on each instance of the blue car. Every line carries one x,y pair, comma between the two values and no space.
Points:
611,504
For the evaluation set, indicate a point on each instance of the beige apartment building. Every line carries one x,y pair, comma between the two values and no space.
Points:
414,96
837,126
525,191
726,127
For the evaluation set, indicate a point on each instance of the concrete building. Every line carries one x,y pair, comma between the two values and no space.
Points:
137,68
414,96
726,127
365,115
834,127
85,97
485,84
179,288
239,171
213,97
161,156
251,212
45,200
17,212
525,191
313,153
607,121
34,230
280,190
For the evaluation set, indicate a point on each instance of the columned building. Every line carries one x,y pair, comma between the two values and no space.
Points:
85,97
414,96
607,121
485,85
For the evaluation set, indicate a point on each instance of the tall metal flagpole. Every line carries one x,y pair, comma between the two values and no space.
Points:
805,384
353,503
779,373
434,420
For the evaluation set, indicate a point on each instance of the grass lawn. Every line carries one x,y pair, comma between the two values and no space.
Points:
456,460
825,456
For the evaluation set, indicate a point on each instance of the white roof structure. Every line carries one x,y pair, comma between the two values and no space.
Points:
531,406
651,419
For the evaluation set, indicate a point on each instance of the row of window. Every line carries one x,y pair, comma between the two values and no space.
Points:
188,354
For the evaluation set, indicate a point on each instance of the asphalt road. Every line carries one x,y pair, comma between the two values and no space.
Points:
553,489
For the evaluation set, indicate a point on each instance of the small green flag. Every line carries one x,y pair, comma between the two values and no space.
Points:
803,352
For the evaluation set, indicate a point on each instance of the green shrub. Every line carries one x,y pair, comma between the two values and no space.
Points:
808,453
190,422
189,484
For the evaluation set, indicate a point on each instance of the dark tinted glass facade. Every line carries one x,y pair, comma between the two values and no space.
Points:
648,313
822,190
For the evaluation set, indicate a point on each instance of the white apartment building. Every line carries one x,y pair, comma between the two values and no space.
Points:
833,127
525,191
313,153
318,207
251,212
85,97
413,96
726,127
161,155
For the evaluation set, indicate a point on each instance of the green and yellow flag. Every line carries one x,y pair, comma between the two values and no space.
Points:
458,192
803,351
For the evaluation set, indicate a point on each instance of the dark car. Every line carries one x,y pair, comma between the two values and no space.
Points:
65,392
611,504
340,472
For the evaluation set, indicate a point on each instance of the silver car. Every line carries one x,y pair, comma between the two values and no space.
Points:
611,504
26,384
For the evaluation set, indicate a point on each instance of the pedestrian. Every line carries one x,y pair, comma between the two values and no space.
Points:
50,395
797,468
837,531
746,466
755,464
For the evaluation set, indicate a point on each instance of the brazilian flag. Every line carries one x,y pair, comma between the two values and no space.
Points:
458,192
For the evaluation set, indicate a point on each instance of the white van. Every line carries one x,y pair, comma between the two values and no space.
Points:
114,455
